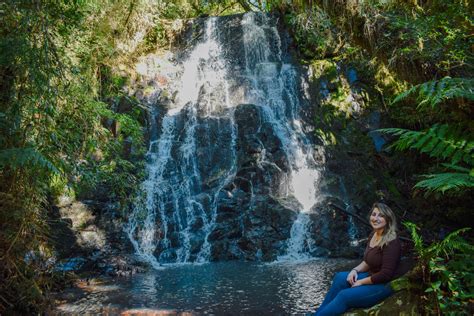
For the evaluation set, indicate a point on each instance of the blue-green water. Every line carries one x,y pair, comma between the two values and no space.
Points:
227,288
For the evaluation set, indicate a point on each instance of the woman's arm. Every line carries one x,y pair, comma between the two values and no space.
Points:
352,277
362,267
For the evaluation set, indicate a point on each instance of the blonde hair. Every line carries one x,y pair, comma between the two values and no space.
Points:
390,230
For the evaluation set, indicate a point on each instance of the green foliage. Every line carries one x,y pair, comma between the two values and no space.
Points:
58,128
438,32
18,158
449,181
313,31
439,141
434,92
418,40
452,143
444,272
179,9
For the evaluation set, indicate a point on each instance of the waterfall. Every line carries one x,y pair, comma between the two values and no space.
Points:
173,183
273,81
193,159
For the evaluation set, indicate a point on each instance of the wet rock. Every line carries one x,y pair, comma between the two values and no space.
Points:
330,229
167,255
89,238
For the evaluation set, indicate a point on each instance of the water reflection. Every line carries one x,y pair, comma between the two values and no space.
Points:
231,288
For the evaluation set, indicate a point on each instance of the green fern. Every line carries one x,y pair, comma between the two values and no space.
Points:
439,141
445,248
450,244
444,272
443,182
434,92
417,239
454,145
17,158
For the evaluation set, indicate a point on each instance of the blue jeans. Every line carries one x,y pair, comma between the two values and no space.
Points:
342,297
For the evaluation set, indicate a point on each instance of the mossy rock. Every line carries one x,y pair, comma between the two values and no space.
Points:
324,67
401,303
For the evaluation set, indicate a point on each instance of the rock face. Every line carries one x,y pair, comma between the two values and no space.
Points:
234,170
88,237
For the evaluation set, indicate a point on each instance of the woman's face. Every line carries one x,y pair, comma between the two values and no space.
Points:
377,220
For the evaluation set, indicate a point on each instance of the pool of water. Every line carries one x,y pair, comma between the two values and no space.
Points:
229,288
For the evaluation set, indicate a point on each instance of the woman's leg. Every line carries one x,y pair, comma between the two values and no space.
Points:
339,283
356,297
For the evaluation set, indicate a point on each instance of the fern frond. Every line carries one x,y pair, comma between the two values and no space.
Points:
443,182
17,158
450,244
439,141
434,92
417,240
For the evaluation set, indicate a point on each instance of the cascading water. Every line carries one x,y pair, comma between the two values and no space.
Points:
193,161
273,82
173,185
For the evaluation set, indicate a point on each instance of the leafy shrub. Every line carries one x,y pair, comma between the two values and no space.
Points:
444,274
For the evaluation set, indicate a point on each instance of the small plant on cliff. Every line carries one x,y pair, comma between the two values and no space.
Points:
444,273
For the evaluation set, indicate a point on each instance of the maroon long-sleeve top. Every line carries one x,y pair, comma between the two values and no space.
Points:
383,262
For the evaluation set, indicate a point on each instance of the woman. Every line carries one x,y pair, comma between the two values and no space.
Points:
367,284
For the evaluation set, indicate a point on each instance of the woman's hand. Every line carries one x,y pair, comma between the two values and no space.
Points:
357,283
352,277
